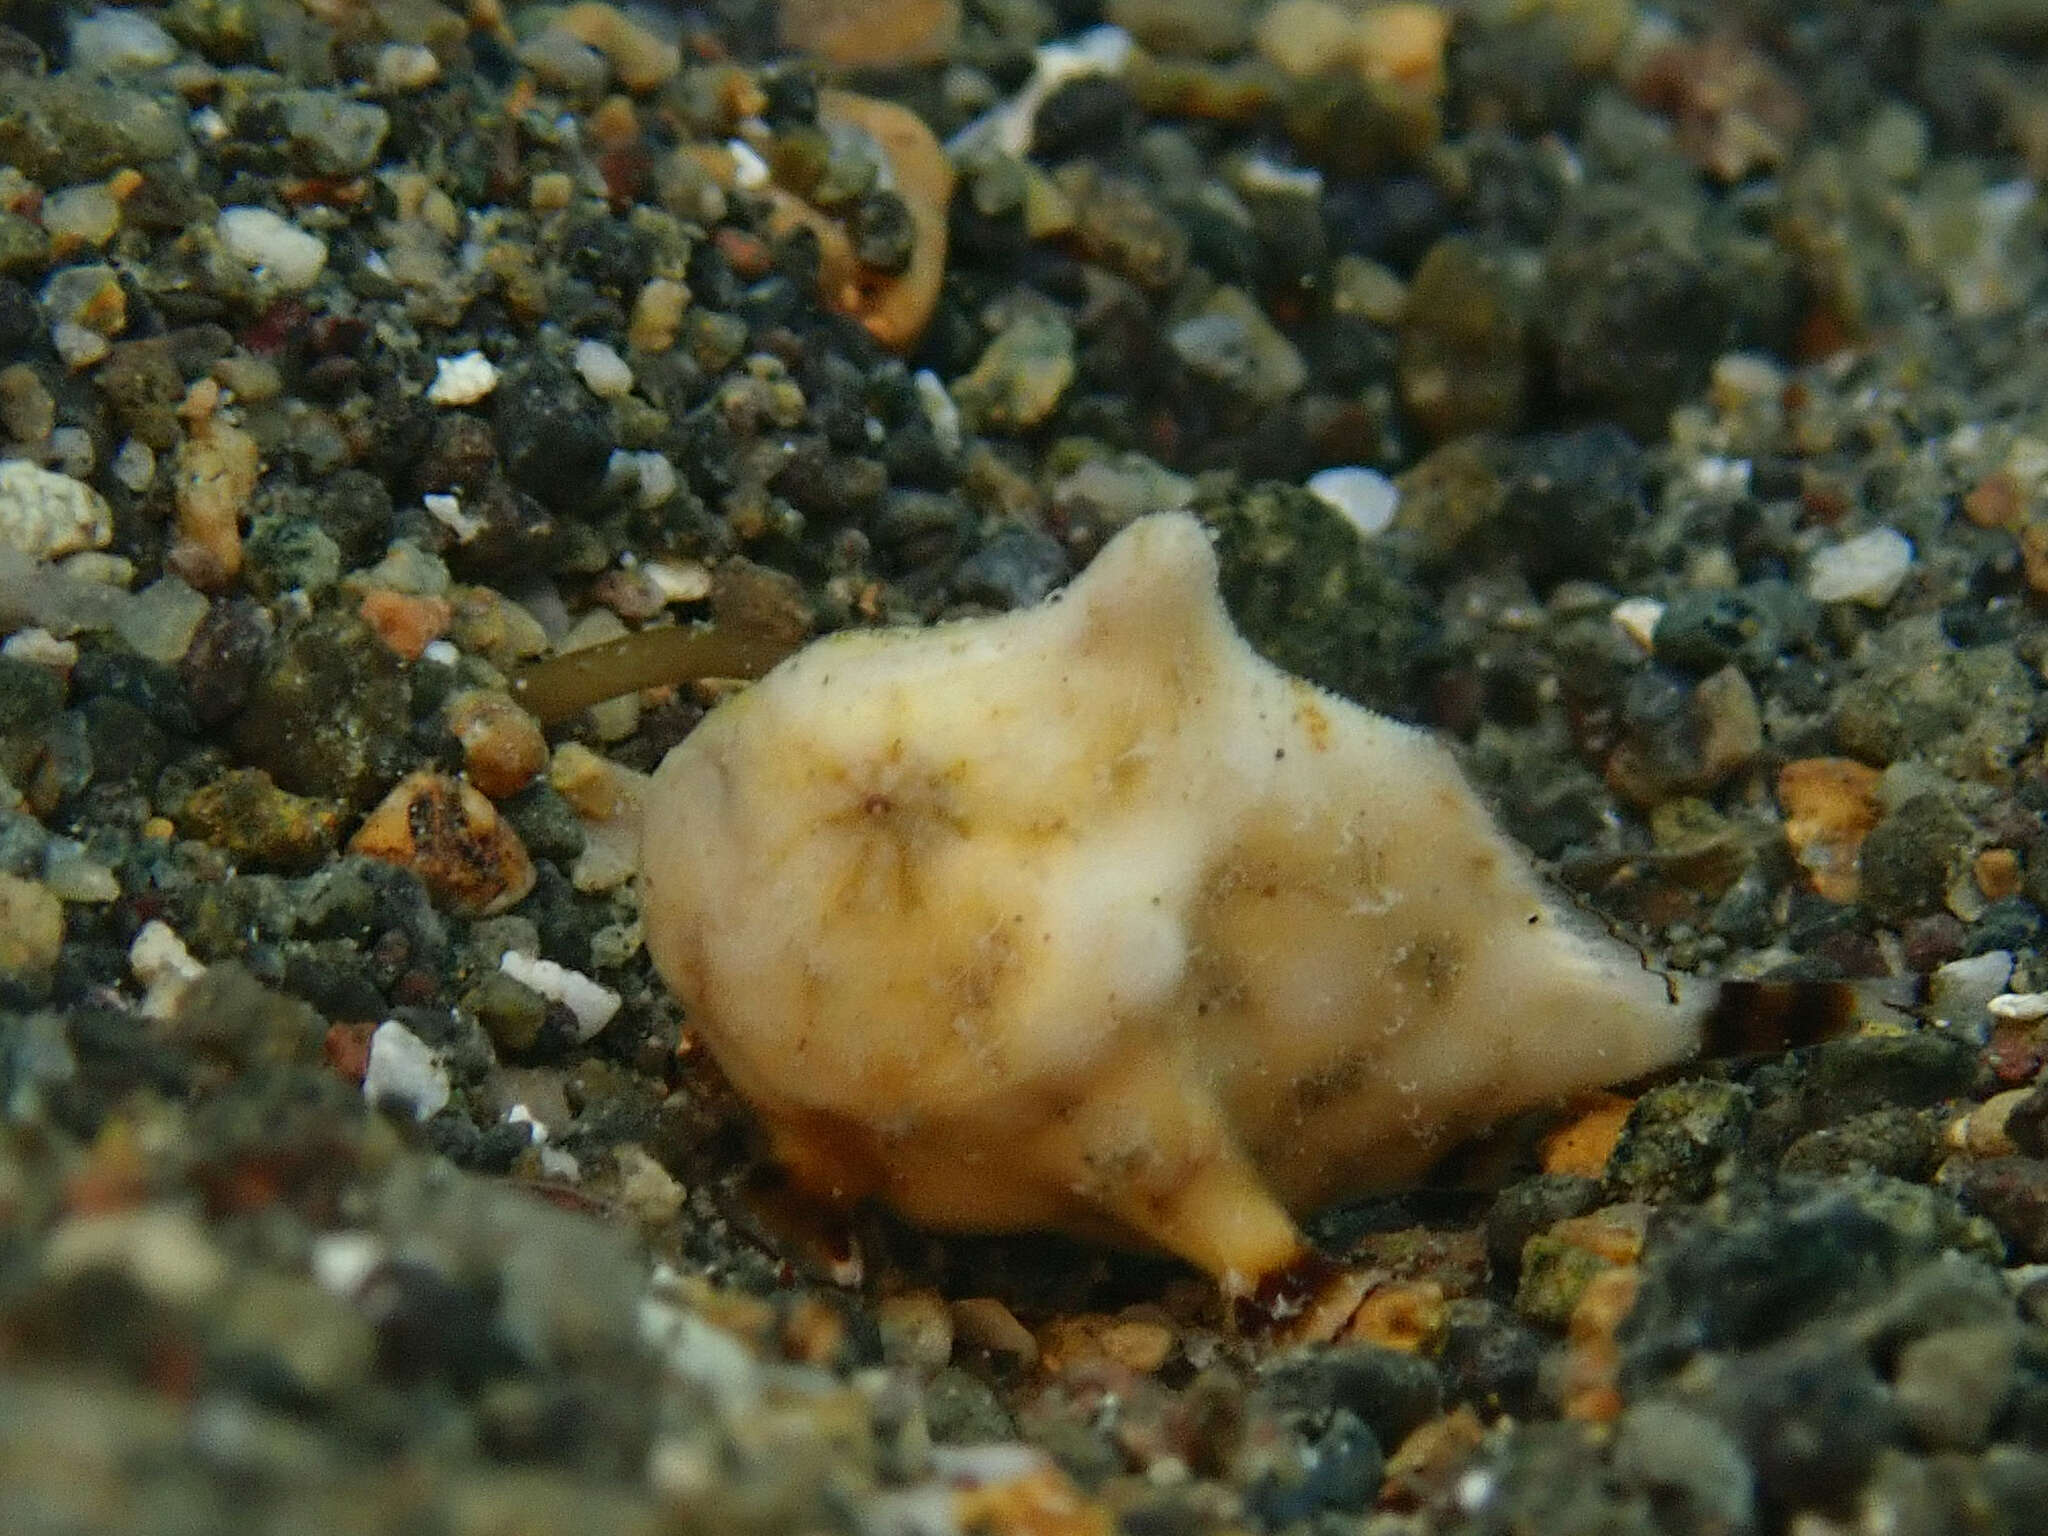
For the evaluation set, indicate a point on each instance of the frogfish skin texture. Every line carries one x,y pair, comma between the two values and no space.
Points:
1087,918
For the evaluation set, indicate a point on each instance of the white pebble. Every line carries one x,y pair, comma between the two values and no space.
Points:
48,515
39,648
88,214
592,1004
2019,1007
648,476
941,414
1867,569
403,1069
164,966
342,1261
1638,617
119,43
1959,994
679,581
1364,498
134,465
272,247
462,380
749,171
80,346
73,875
1717,476
406,67
604,372
557,1164
519,1114
447,511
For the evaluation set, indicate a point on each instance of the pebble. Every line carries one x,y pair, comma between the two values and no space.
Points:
1021,375
31,929
162,1250
462,380
1229,342
28,412
2019,1007
850,34
503,747
916,1329
159,960
404,621
259,825
163,620
985,1323
119,42
453,838
1951,1385
213,477
1960,993
603,370
403,1070
331,134
1364,498
657,315
39,647
1637,618
405,67
1984,1131
87,298
640,60
82,216
1868,569
593,1005
646,1189
48,515
1830,806
276,251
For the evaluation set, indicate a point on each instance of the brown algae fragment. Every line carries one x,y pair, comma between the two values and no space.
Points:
562,687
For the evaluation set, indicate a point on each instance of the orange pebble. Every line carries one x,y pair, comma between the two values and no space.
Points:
1830,805
405,622
1583,1145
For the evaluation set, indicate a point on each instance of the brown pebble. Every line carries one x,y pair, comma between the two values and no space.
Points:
1077,1342
448,834
31,928
502,745
1998,873
1996,501
1830,805
214,476
1423,1466
916,1329
1042,1502
641,60
869,34
1982,1132
987,1324
2034,553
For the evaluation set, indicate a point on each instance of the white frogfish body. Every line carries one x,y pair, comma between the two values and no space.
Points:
1088,918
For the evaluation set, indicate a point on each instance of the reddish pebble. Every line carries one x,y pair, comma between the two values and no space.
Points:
406,623
346,1049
